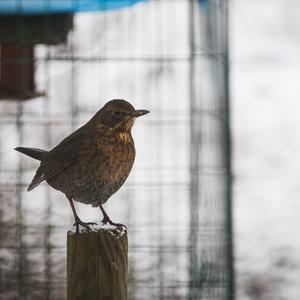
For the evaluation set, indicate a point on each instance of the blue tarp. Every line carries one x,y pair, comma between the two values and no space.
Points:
34,7
203,3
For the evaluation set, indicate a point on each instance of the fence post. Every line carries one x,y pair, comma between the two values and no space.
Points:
97,265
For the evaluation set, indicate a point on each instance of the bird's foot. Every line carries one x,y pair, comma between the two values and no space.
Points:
83,224
110,222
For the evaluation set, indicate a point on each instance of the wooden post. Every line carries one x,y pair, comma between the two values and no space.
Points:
97,265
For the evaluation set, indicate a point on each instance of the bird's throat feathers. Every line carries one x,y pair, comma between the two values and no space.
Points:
122,130
124,126
125,137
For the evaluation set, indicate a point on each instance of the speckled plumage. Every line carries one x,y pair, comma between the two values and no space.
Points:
102,164
93,162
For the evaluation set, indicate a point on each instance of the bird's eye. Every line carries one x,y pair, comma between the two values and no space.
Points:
117,113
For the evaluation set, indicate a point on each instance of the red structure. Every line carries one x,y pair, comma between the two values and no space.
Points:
16,71
18,36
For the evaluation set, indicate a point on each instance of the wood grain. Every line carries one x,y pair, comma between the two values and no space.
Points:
97,265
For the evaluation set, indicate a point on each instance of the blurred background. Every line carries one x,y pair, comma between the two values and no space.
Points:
265,69
62,60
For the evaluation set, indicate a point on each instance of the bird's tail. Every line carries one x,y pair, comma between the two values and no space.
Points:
32,152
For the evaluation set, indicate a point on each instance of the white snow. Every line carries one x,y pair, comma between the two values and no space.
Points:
265,58
112,229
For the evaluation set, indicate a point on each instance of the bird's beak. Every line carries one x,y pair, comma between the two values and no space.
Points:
139,113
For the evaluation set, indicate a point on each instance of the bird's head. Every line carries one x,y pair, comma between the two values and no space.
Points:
119,115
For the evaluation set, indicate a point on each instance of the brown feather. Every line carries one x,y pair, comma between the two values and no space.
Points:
59,158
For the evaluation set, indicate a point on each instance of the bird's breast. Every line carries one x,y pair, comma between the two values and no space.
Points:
124,137
116,156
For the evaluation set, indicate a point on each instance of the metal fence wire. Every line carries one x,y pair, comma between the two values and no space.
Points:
170,57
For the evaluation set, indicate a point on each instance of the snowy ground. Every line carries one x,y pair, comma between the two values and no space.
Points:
265,89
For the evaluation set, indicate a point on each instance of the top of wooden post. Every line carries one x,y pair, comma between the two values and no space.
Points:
116,231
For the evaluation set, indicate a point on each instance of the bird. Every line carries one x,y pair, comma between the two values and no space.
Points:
93,162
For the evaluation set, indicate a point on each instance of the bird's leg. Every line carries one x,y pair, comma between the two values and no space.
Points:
106,219
77,219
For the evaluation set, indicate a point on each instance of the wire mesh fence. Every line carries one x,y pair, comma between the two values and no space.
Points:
170,57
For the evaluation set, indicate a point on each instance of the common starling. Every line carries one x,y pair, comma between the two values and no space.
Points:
93,162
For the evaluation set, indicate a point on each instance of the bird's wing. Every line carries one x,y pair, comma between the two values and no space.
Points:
46,172
59,158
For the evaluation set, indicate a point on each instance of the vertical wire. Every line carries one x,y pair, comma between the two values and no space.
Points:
73,106
131,193
158,69
131,197
133,216
48,203
47,141
209,126
19,210
228,161
194,155
159,65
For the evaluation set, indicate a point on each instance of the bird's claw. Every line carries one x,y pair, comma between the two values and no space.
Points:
110,222
83,224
